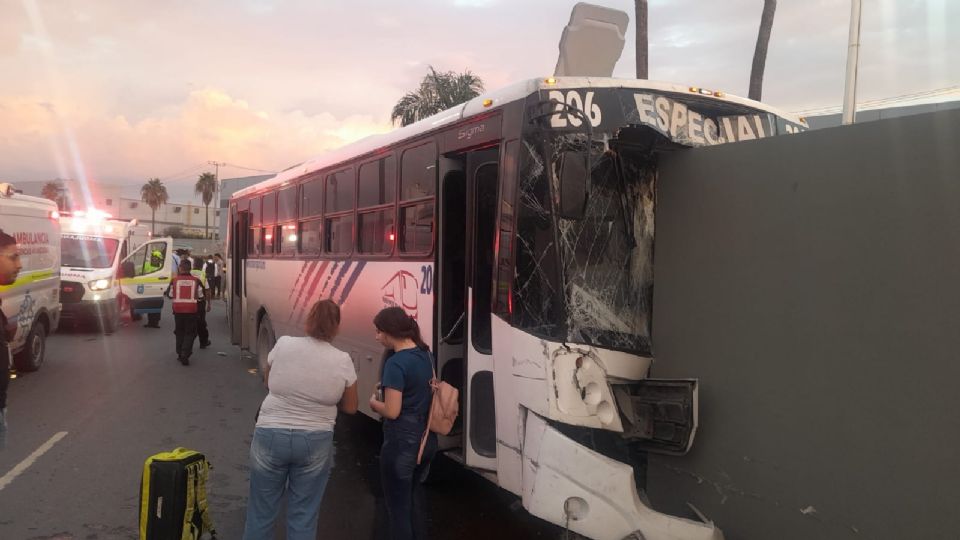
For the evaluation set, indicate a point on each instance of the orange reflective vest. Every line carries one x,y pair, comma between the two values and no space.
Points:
185,291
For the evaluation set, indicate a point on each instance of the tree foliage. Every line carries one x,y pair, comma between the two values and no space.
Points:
438,92
206,187
154,193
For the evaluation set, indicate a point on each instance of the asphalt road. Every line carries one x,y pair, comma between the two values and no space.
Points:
81,427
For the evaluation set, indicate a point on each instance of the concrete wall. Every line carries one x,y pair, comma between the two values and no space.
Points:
812,284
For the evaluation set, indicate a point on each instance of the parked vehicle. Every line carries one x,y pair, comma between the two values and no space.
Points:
32,302
94,245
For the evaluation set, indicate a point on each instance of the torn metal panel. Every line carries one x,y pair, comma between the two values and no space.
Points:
601,491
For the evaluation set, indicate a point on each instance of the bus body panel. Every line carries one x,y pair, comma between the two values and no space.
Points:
284,290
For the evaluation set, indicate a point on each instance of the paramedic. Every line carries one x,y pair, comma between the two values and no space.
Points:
185,291
155,263
203,332
9,268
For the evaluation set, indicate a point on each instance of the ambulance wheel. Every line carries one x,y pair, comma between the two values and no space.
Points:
110,321
126,307
34,350
265,341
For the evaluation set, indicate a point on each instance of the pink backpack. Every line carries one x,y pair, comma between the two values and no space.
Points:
444,407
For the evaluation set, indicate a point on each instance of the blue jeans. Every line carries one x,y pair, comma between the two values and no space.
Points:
282,459
402,477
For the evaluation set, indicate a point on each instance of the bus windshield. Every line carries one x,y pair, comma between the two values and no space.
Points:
607,253
602,261
87,251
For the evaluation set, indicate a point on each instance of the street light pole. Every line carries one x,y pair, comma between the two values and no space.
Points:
853,55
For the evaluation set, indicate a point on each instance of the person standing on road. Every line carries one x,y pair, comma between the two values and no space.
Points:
185,292
307,379
212,272
9,268
405,406
152,265
203,331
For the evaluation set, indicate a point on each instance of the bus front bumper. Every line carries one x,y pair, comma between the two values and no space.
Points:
567,483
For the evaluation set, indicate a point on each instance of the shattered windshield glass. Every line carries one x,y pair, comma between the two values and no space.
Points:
587,280
607,255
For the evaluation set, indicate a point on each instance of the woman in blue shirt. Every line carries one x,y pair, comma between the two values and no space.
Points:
405,406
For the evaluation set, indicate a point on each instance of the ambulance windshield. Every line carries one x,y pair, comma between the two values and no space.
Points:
82,251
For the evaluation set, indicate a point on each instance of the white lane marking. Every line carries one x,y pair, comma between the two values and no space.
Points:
26,463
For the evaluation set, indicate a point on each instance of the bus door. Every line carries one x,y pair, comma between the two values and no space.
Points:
238,253
482,174
450,298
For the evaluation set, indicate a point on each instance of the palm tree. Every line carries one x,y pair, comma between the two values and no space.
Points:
53,190
642,38
154,193
438,91
206,187
760,53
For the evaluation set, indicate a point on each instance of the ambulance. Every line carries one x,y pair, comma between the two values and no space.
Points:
110,267
32,302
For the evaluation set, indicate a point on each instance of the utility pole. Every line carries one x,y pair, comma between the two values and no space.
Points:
216,175
853,54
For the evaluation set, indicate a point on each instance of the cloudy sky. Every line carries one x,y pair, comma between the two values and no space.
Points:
118,91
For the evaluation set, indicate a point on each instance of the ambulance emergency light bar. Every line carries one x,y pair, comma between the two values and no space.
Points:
95,220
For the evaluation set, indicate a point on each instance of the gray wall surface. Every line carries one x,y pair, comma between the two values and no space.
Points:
812,283
871,115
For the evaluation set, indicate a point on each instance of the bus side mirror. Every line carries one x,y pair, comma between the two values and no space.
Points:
574,184
126,269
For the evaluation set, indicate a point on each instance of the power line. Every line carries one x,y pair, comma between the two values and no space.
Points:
886,101
183,172
247,168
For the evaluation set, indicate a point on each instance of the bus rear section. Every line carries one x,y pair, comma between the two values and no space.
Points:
32,302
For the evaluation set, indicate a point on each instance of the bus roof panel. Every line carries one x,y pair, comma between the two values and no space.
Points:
474,107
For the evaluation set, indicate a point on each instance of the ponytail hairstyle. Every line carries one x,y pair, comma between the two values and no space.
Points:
395,322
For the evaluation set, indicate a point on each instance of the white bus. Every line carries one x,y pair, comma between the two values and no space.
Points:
32,302
518,229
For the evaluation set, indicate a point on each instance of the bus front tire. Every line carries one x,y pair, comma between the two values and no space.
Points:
265,341
34,350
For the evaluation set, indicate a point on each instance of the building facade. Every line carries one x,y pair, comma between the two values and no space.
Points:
191,219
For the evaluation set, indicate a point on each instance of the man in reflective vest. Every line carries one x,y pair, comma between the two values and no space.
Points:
203,332
155,263
185,292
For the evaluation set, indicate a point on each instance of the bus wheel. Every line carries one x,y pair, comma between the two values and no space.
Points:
34,350
265,341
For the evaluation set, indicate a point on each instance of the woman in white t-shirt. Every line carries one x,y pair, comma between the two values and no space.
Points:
292,448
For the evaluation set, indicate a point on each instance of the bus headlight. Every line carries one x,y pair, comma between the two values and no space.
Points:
99,284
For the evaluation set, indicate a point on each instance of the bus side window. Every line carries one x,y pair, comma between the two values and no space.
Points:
376,194
254,240
269,246
339,206
418,181
311,210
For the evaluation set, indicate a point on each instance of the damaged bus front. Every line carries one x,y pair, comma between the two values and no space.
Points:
580,305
